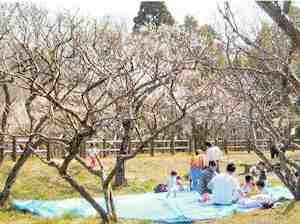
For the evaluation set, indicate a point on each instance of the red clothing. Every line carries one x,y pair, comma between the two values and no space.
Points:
198,162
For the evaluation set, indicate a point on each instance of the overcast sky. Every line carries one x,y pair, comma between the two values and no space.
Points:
125,10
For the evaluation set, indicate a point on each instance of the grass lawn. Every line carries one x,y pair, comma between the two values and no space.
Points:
37,181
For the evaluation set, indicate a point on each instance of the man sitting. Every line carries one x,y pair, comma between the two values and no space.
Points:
262,200
225,187
206,177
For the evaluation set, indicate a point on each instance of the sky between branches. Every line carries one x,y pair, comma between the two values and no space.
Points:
125,10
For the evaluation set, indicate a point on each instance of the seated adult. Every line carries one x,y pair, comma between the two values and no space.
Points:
262,200
225,187
206,177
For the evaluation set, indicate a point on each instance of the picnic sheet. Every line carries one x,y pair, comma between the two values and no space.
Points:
185,208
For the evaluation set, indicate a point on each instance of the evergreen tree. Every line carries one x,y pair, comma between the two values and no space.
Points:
190,24
153,12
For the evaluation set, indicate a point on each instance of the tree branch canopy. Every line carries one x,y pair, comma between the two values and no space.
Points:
278,16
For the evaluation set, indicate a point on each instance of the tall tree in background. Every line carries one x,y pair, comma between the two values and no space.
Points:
152,12
190,24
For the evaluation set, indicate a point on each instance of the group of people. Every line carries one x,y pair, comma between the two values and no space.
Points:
200,173
223,188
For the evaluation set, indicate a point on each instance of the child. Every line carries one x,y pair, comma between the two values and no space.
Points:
92,153
179,183
172,184
262,173
248,186
261,187
262,200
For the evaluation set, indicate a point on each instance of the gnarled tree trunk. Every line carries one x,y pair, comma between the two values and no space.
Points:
4,119
120,174
13,176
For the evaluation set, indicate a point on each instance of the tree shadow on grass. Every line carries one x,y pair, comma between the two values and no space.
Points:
289,208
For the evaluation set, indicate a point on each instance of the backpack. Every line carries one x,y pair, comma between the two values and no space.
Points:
161,188
267,205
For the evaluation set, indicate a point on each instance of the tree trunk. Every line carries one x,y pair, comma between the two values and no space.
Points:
282,20
48,151
87,197
14,149
12,176
109,202
283,173
4,119
190,144
120,174
298,186
172,145
152,147
1,149
225,146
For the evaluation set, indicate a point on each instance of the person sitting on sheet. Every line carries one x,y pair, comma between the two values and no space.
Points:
179,183
172,184
249,185
206,177
261,200
262,171
225,187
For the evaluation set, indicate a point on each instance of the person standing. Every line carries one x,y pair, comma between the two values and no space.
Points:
197,166
172,184
92,154
274,151
214,153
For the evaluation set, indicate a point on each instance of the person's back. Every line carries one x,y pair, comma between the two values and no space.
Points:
248,186
206,177
225,187
214,153
197,162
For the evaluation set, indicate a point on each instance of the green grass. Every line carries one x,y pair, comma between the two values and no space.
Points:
38,181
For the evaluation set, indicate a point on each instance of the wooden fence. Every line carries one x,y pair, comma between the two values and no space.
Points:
13,146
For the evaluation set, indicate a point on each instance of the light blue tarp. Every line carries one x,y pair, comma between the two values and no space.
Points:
185,208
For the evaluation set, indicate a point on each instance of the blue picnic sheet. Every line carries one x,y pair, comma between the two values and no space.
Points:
185,208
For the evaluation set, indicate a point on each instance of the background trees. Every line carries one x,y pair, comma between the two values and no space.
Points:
152,12
259,72
78,78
